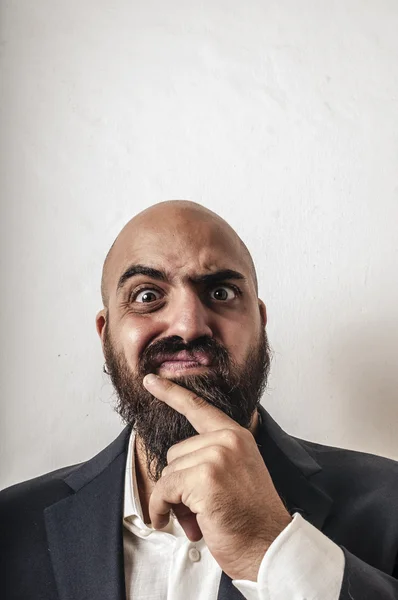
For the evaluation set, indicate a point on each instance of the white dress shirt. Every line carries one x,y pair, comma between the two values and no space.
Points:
301,564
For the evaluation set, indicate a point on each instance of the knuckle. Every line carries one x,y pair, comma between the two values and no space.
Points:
196,401
220,453
208,473
168,385
246,433
233,438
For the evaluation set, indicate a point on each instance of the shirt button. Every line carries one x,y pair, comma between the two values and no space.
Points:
194,554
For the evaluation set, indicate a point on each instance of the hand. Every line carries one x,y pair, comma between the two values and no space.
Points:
217,485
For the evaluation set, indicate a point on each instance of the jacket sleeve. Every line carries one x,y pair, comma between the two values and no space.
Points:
363,582
304,564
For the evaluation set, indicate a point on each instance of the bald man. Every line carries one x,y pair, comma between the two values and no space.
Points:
202,496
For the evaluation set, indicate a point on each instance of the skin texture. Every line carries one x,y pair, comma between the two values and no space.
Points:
186,240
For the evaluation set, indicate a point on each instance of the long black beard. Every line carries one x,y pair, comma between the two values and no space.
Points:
236,391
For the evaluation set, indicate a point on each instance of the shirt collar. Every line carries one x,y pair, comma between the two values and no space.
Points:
133,519
132,505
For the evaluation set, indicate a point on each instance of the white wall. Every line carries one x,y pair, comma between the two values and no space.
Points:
282,116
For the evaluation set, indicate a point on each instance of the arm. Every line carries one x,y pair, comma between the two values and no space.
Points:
304,564
363,582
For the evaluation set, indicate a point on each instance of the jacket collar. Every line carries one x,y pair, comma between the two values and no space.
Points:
85,532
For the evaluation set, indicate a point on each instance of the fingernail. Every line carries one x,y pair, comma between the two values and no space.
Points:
151,378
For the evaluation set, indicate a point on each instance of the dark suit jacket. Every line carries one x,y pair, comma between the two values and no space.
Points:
61,534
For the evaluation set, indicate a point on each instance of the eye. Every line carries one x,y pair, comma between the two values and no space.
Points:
224,293
145,296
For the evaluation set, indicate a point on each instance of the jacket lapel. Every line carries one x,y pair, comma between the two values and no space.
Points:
84,530
293,471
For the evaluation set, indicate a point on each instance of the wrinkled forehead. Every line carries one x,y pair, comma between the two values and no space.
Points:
182,249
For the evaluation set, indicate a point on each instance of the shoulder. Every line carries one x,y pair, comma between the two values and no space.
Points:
40,492
360,472
22,518
36,493
23,532
332,455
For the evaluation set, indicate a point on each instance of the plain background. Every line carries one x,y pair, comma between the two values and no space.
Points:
282,116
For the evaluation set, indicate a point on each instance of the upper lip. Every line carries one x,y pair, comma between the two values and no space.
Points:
200,357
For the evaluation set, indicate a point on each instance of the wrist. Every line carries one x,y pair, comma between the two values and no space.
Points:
250,562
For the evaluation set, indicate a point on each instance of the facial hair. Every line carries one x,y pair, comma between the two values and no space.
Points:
235,390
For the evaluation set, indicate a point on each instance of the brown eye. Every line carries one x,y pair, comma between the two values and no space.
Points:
223,293
146,296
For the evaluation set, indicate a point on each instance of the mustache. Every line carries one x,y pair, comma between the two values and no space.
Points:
174,344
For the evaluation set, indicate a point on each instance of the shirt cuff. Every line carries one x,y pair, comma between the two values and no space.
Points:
301,563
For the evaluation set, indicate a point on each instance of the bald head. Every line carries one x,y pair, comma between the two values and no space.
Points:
181,218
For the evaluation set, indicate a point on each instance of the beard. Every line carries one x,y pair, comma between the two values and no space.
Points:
234,389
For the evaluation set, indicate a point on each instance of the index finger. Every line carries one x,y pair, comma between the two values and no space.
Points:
203,416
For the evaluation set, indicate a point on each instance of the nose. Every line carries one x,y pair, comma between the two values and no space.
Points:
188,317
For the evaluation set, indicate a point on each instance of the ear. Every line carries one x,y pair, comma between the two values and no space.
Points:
263,312
100,321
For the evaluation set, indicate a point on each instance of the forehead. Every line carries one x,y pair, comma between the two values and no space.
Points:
180,248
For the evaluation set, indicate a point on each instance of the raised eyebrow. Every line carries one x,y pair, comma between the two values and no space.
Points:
160,275
218,276
140,270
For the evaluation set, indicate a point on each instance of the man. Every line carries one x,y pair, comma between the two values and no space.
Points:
202,496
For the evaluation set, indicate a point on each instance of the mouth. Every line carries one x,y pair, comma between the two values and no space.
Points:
180,365
182,362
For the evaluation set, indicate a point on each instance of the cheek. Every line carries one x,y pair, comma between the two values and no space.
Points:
239,338
134,337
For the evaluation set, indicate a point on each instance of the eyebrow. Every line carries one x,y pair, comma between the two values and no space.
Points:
161,275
